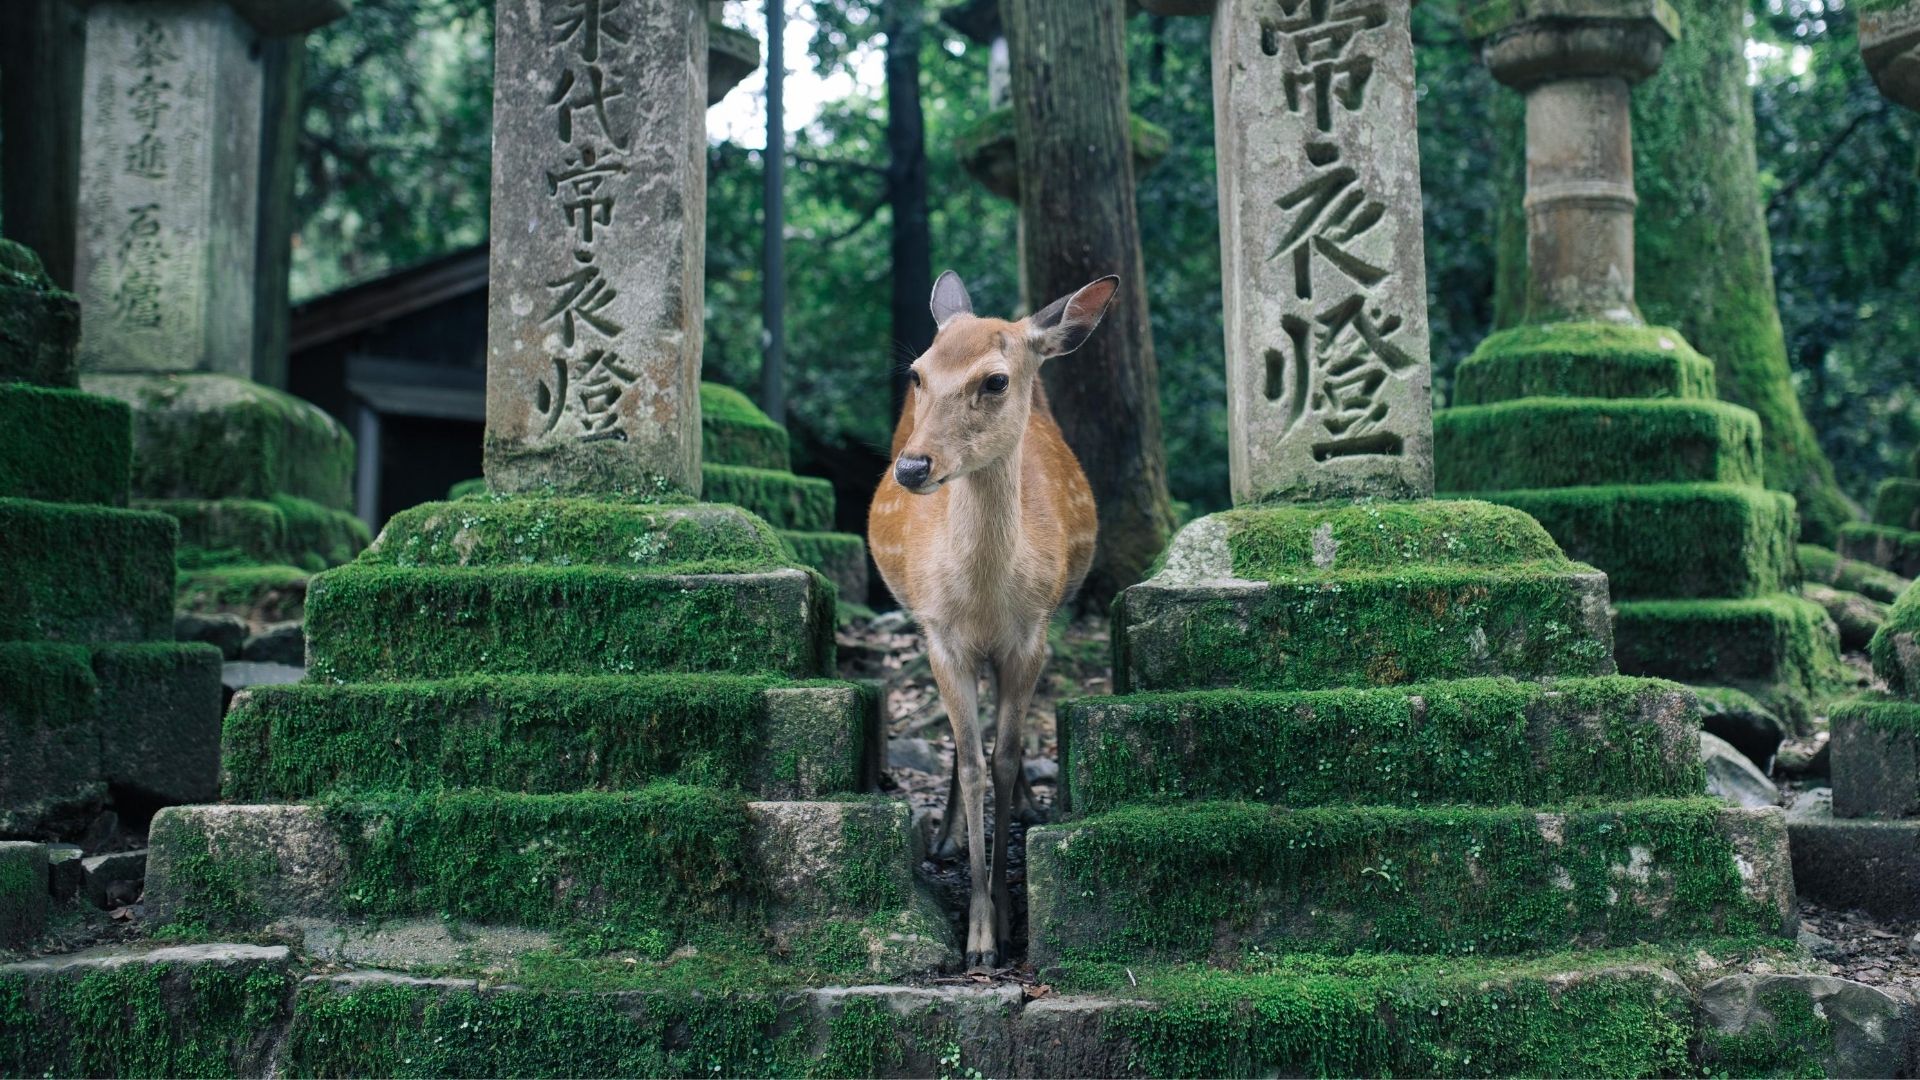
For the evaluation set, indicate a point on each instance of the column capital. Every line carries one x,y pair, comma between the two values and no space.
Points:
1890,45
1528,42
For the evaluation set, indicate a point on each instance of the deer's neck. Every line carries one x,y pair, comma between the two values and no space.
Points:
983,517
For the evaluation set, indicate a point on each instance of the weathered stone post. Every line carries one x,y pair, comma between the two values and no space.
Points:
1890,44
1321,254
599,227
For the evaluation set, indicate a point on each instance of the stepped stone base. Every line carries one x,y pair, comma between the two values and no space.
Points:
1559,442
1583,360
84,573
1778,648
1868,863
1826,567
1895,550
553,734
1208,880
783,500
249,1010
282,531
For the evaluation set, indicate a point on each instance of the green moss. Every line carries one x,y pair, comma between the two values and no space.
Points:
733,431
1893,648
1313,543
1896,502
840,557
1474,741
84,573
1891,549
373,622
1781,648
1829,567
1582,360
49,735
786,501
63,445
475,486
1794,1040
1565,442
283,530
39,323
142,1018
222,888
1214,879
275,593
1672,540
544,734
576,532
1884,715
219,437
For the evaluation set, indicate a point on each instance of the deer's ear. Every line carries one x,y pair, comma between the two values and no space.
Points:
1064,325
949,299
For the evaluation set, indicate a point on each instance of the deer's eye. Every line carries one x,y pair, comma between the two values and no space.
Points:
995,384
913,376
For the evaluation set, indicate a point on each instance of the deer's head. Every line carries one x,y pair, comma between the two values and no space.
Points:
973,388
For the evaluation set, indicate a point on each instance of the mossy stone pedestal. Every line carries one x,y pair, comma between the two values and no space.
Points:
95,695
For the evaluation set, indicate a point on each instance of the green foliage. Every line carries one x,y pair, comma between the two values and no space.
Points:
84,573
64,446
1672,540
786,501
1583,360
1491,741
243,588
1563,442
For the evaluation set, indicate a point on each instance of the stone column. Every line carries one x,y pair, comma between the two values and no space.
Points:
1577,66
599,200
1890,45
1321,252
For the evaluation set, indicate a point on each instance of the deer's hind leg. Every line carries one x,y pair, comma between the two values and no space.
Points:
1017,670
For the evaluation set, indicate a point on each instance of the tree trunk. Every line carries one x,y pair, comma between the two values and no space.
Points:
1079,223
42,52
907,189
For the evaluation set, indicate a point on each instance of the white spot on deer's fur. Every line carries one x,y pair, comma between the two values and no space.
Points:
1324,546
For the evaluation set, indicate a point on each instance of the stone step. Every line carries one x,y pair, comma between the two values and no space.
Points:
368,622
786,501
1583,360
1210,880
1895,550
1865,863
840,557
1627,1013
64,446
1876,758
1896,503
1554,442
733,431
1672,541
284,530
650,869
1778,648
84,573
551,531
1494,741
549,733
1826,567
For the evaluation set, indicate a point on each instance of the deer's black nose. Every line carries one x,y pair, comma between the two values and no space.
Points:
912,471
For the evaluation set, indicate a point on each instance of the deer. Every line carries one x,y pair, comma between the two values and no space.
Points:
983,527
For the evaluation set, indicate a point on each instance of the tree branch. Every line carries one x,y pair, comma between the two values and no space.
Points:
1826,157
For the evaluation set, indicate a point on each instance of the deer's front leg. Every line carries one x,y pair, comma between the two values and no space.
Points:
1016,671
953,672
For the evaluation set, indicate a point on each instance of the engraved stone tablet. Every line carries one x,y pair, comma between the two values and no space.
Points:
1321,253
169,181
599,200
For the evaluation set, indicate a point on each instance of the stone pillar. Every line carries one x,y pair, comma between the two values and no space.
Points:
599,200
1321,253
1890,45
1577,71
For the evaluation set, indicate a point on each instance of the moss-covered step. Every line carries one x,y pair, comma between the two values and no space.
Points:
1780,648
50,752
39,322
1566,442
1493,741
1891,549
649,870
1896,502
785,501
1211,880
1672,540
159,710
733,431
261,594
840,557
1895,648
220,437
283,531
84,573
1876,758
368,622
183,1010
687,538
1583,360
1826,566
64,446
1869,864
552,734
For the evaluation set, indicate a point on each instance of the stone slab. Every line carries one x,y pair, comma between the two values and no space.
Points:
64,874
24,898
1876,759
599,170
499,531
84,573
1328,379
1895,648
1583,360
159,707
1896,503
1484,18
1872,864
282,531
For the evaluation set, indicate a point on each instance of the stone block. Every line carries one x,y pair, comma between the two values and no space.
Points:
1895,648
39,323
1732,777
219,437
254,593
1583,360
1856,617
783,500
50,771
1490,741
1556,442
1777,648
84,573
733,431
277,643
691,538
65,876
219,629
840,557
1209,880
1891,549
202,1010
113,881
64,446
1827,567
1740,719
1868,863
159,709
548,734
283,530
1765,1024
1672,541
24,897
1890,45
1896,503
370,622
1876,758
